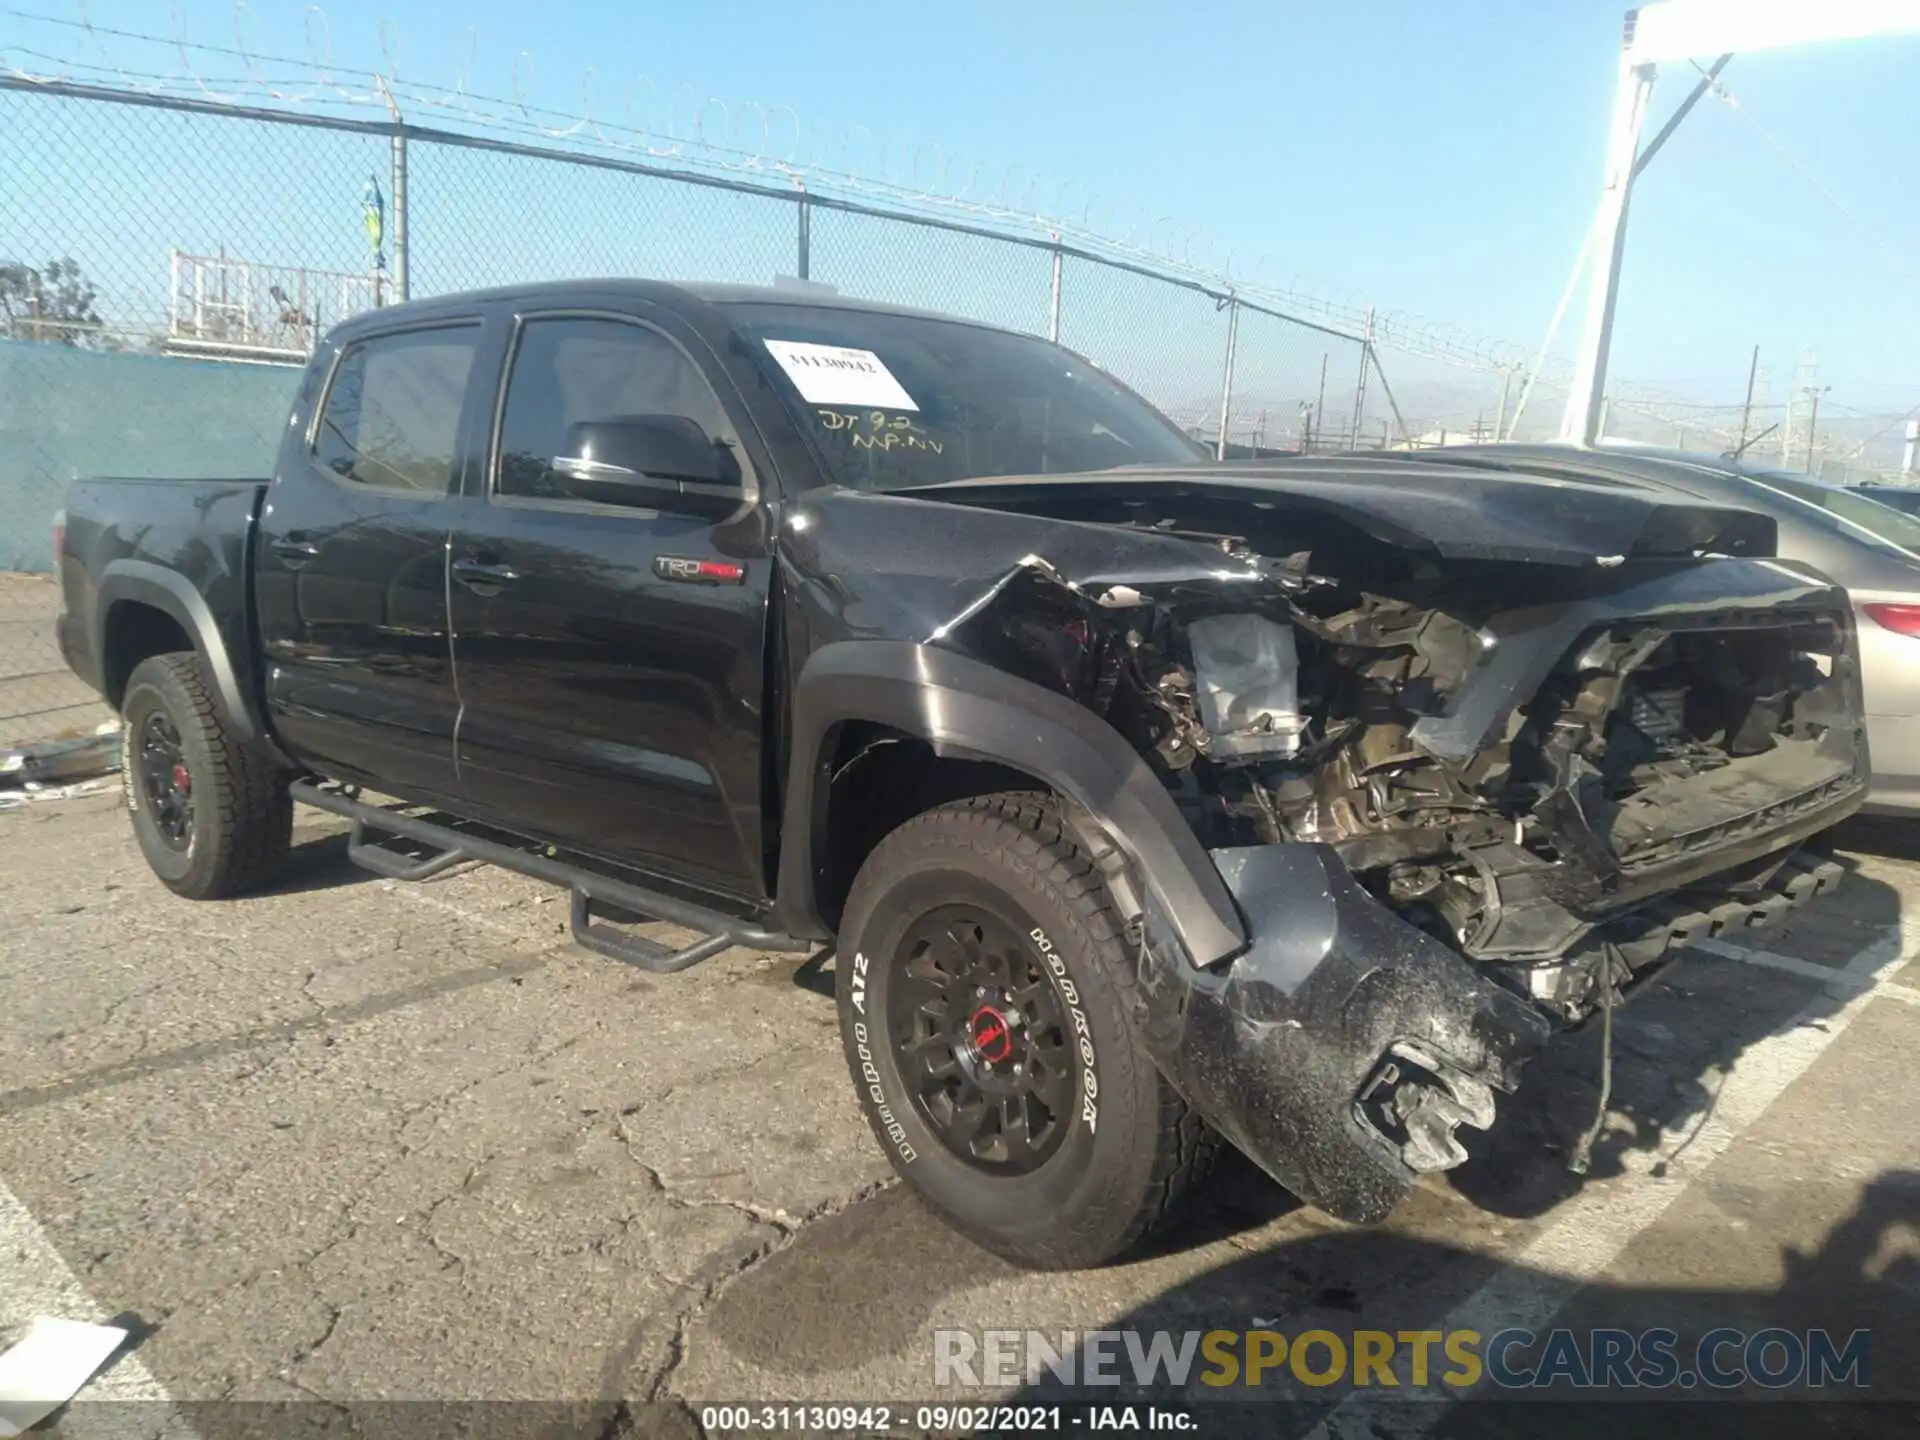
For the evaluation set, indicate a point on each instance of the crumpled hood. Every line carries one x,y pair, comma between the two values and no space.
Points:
874,566
1444,510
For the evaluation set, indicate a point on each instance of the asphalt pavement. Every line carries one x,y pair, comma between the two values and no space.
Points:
357,1142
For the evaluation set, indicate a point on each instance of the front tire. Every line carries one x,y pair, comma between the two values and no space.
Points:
211,811
984,991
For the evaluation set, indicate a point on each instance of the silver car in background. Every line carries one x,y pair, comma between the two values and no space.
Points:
1868,547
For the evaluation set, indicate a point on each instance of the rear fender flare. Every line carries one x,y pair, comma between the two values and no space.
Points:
970,711
144,583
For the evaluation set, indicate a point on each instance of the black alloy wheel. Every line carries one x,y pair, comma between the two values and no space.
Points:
985,1048
167,780
210,808
985,988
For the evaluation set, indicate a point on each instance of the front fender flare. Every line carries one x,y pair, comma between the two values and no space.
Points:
142,582
968,710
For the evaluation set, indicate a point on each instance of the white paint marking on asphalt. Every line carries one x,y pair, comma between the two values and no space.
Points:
1591,1231
1839,977
35,1280
48,1366
409,891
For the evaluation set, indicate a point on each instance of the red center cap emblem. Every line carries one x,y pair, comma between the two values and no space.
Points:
991,1038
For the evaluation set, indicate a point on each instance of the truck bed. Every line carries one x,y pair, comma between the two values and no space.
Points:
193,538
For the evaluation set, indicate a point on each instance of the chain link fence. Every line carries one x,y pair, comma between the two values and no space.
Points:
166,266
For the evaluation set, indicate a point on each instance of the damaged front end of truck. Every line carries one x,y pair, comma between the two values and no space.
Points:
1471,764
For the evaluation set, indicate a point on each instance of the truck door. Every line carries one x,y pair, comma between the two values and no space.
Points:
610,637
352,585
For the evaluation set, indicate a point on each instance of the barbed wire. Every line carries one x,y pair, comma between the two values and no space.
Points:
708,134
676,127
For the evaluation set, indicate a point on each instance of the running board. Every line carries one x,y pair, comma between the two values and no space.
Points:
718,931
637,949
372,855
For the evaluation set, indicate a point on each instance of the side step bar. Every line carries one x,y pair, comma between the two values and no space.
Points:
718,931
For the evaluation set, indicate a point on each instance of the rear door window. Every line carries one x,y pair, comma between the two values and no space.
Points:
392,414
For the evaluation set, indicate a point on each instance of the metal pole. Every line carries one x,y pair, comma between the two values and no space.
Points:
1226,382
1746,410
1500,416
1913,443
1813,420
1320,406
1360,389
1392,404
806,231
1681,111
1581,423
1053,308
400,289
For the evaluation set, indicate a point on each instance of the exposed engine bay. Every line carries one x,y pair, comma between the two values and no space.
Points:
1318,696
1394,770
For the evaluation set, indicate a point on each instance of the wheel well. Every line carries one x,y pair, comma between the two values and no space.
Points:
136,631
880,779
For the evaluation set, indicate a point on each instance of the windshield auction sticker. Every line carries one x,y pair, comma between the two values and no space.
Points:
837,375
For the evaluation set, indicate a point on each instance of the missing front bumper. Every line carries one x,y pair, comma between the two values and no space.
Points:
1343,1049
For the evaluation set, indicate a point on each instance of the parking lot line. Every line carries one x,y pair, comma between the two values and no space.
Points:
35,1280
1591,1231
1843,977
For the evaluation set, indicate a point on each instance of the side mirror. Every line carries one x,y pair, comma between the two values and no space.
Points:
659,462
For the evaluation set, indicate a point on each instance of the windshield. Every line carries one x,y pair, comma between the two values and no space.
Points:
896,401
1854,514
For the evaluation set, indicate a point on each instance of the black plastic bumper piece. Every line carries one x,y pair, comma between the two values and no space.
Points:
1277,1047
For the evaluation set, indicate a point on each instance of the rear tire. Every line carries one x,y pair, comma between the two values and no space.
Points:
211,811
1062,1146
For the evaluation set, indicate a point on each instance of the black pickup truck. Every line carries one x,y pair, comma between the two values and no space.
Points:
1145,800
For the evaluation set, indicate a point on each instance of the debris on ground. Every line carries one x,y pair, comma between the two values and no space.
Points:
67,758
33,794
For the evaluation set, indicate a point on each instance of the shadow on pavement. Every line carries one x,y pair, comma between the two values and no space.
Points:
1674,1043
1892,837
1864,1276
320,863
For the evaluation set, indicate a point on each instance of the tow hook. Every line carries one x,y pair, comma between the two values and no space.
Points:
1416,1101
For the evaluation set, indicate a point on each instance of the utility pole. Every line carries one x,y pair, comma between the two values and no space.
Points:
1500,418
1814,392
1746,410
1806,372
1634,83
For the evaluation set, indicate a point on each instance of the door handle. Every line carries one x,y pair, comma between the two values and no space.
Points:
482,576
294,548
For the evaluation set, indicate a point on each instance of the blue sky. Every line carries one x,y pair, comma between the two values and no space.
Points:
1440,159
